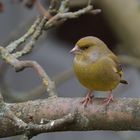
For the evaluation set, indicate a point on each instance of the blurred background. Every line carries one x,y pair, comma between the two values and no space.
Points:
117,25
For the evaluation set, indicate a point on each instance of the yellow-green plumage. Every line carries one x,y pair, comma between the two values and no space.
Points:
96,67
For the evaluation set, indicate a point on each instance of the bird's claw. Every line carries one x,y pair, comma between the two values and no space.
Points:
108,100
87,100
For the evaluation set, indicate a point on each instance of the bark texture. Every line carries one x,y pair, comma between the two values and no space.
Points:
122,114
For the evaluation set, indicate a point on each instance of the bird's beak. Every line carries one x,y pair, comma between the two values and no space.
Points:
75,49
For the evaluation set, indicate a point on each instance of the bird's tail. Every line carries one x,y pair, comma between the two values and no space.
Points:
123,82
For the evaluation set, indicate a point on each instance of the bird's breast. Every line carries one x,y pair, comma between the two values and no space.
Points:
97,75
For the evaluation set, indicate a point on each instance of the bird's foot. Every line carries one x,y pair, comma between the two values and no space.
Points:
109,99
87,100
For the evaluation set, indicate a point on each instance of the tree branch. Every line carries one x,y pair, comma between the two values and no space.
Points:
29,46
61,17
20,65
52,125
11,55
12,46
122,114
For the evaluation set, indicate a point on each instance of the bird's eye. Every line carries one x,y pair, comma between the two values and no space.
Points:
85,47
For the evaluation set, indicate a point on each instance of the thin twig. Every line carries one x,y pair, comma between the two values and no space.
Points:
64,6
20,65
12,46
68,15
42,10
19,29
29,46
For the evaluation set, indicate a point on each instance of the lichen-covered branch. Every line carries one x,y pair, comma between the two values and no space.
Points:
31,129
51,125
42,23
39,116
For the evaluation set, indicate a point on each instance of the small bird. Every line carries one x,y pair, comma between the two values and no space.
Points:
96,67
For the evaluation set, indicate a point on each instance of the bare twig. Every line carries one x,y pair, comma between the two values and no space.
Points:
12,46
20,65
20,29
29,46
68,15
42,10
64,6
76,14
54,6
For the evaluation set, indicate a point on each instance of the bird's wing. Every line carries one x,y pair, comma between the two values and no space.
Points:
117,65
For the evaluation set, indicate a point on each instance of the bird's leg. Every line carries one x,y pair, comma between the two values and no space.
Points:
88,99
109,99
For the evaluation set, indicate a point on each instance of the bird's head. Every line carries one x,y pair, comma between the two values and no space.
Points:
85,44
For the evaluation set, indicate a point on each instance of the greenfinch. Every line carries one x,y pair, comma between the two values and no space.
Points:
96,67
